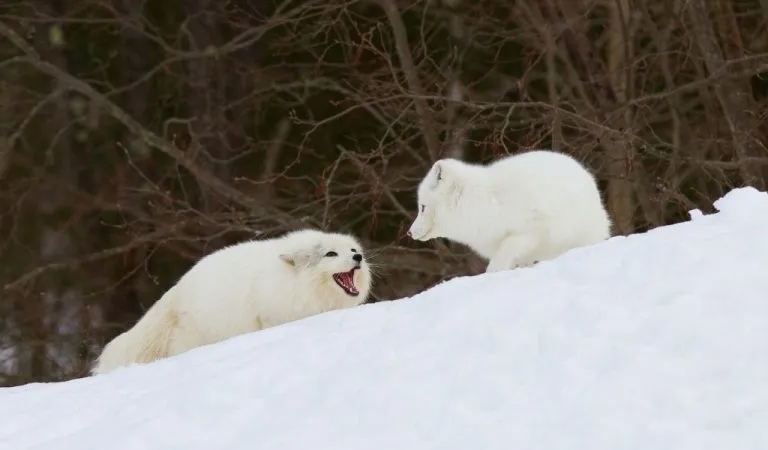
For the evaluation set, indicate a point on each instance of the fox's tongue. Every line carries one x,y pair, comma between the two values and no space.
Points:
349,281
346,281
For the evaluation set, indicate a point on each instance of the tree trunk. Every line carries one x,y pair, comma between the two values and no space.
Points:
620,153
47,308
205,105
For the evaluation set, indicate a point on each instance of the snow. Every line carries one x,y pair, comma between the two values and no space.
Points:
655,341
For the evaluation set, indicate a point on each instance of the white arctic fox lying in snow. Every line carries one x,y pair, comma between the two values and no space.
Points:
243,288
517,211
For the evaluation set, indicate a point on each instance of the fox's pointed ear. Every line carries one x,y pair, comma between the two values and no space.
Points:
441,173
296,258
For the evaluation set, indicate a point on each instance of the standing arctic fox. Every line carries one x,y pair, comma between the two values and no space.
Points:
516,211
244,288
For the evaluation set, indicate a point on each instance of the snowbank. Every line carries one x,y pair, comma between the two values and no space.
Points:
656,341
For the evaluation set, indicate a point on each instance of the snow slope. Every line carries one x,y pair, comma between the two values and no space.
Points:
656,341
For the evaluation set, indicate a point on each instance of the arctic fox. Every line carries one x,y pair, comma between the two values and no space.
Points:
514,212
244,288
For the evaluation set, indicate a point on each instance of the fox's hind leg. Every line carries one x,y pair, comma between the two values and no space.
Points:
515,251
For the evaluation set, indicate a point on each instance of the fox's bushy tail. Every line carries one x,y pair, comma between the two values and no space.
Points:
147,341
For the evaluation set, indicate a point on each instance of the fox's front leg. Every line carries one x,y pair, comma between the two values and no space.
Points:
513,252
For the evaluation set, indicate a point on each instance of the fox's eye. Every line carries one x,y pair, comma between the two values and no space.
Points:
422,208
329,254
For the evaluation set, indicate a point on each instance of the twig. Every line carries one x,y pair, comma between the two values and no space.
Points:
271,157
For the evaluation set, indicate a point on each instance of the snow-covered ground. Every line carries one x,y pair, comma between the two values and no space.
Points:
657,341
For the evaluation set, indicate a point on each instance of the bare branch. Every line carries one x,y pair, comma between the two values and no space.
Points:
150,138
411,75
733,98
94,257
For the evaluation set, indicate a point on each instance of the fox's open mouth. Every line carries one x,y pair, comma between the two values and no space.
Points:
346,281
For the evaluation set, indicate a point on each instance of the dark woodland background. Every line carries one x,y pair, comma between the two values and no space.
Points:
137,136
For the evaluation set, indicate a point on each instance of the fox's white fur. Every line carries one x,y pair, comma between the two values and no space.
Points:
244,288
514,212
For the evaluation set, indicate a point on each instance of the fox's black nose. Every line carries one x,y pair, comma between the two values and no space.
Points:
357,257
